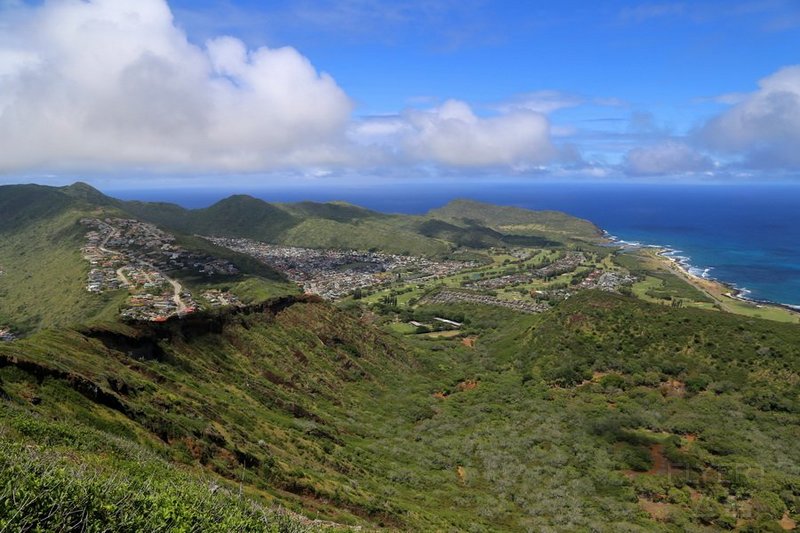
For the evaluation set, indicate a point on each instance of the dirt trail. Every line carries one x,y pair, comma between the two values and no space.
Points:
660,462
462,474
176,297
661,465
656,510
786,523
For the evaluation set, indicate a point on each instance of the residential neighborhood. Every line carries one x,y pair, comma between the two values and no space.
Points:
334,274
449,296
136,256
606,281
568,263
139,257
216,298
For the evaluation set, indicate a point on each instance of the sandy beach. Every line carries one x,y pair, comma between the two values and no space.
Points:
726,297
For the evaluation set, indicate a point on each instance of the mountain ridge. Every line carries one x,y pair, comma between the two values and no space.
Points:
331,224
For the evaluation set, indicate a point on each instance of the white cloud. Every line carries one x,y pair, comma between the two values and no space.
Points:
725,99
452,134
764,126
376,130
610,102
668,157
540,102
114,84
102,83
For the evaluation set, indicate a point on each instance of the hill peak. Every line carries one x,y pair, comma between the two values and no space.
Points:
83,191
240,198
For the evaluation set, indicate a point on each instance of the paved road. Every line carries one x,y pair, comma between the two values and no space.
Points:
122,277
176,297
177,288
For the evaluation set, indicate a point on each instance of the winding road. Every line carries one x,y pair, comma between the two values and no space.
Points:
177,288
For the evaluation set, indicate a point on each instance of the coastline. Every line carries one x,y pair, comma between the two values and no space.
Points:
700,278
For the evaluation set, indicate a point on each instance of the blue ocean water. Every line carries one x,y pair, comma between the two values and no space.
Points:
744,234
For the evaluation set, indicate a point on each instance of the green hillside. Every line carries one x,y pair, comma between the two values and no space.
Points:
22,205
336,211
599,412
370,234
605,413
516,221
44,275
341,225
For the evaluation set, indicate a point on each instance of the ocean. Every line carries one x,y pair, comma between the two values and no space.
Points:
744,234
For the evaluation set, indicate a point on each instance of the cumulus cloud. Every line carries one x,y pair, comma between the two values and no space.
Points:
764,126
103,83
668,157
452,134
94,85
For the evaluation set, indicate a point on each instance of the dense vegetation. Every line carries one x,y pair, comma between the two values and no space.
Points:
341,225
606,413
517,221
592,414
57,476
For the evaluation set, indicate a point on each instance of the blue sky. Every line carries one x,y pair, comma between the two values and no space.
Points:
649,54
351,88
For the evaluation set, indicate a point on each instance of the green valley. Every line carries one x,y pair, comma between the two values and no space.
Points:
472,369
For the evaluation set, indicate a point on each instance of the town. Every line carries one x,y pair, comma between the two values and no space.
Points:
450,296
568,263
134,255
541,299
525,280
334,274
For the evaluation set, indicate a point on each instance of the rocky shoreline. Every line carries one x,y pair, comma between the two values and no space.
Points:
683,264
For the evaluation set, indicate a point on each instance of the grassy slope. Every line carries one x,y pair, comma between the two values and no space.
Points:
377,234
341,225
235,403
513,220
45,275
44,284
69,477
22,205
318,410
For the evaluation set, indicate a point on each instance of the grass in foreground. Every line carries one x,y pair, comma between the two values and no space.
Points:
66,477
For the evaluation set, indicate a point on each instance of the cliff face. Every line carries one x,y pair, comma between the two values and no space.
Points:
142,340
